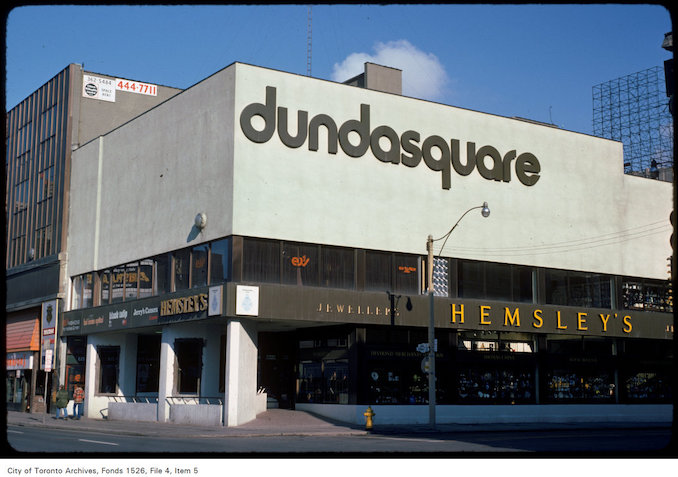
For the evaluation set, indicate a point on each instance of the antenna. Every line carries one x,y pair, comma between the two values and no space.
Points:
309,42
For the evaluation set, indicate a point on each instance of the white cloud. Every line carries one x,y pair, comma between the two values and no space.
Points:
423,75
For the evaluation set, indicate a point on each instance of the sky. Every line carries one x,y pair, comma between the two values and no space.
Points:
539,62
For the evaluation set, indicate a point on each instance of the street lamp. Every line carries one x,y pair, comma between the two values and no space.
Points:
485,211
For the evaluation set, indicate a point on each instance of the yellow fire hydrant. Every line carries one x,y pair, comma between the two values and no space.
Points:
369,414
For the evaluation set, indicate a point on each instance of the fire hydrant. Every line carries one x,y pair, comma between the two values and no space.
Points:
369,414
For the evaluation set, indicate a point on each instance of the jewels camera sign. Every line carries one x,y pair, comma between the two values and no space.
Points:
408,148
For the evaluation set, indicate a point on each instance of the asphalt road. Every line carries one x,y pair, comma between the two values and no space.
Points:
580,442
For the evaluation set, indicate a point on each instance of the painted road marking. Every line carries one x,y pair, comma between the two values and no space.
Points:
99,442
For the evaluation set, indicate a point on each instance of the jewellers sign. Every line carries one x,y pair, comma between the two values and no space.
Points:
408,148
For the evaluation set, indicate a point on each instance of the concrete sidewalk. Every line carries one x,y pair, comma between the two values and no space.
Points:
281,422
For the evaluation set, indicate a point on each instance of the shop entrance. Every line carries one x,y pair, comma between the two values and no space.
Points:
276,370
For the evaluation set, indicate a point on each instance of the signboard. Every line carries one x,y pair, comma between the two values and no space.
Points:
215,304
48,360
247,300
136,87
19,360
95,87
48,329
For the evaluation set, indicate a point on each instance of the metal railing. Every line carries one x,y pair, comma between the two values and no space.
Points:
174,400
134,399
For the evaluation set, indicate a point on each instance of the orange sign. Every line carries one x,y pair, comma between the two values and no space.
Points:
300,261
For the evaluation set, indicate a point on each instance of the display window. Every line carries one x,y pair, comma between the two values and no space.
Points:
148,363
648,295
579,385
495,385
188,352
75,362
109,367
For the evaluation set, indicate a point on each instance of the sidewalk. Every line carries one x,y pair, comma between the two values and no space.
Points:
280,422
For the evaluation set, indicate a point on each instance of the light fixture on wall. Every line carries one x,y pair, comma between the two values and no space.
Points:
201,221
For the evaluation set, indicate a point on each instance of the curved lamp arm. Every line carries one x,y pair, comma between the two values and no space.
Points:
485,212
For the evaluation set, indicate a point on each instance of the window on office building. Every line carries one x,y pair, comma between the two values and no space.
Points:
109,362
406,273
647,295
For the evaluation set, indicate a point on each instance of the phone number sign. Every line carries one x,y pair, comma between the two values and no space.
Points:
136,87
96,87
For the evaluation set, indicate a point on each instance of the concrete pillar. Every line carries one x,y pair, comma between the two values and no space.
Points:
90,379
240,396
166,381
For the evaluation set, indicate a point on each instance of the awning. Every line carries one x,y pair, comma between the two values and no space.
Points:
23,334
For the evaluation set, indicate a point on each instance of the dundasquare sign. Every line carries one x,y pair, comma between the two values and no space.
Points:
408,148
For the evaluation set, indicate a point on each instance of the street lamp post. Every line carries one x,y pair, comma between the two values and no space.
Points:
485,211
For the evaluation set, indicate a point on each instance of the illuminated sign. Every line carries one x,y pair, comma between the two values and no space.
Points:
409,148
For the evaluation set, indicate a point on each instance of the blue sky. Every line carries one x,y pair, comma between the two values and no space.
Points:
534,61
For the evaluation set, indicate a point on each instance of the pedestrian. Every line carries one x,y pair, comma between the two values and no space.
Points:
78,401
61,402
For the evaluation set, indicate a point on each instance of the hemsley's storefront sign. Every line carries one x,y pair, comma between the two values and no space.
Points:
407,149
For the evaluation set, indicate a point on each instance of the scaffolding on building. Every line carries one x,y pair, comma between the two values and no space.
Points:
634,110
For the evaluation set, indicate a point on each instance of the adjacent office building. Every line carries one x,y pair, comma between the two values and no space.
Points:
71,109
260,240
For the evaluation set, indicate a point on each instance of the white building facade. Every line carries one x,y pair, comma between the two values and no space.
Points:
259,239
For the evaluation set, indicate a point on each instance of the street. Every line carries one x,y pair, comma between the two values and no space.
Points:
582,442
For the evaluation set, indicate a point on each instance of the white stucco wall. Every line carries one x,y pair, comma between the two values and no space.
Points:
582,214
151,177
190,155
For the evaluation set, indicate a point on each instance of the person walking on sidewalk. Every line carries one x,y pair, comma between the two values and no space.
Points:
78,401
61,402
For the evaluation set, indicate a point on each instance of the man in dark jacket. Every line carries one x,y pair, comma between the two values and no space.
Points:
61,402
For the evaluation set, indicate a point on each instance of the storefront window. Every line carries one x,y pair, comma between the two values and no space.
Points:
220,260
261,261
378,271
182,263
75,362
338,268
649,295
148,363
145,278
577,289
495,385
406,274
131,281
199,266
570,385
495,281
105,280
300,264
109,362
162,276
188,353
76,298
117,284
